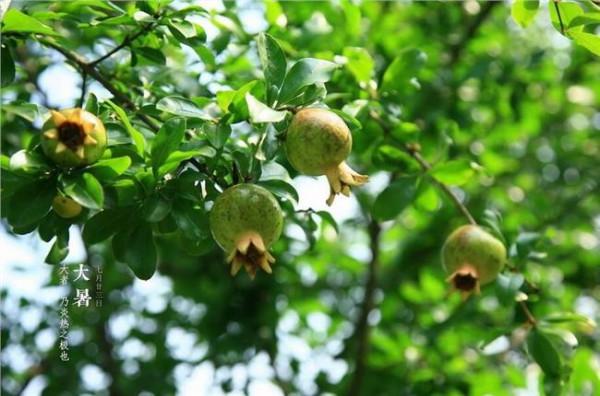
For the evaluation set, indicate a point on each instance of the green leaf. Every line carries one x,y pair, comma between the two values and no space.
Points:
568,11
308,95
28,162
526,242
579,322
273,63
193,9
182,107
360,63
59,250
7,66
224,99
30,203
85,189
52,225
405,132
4,162
260,112
397,196
195,247
455,173
155,208
117,20
105,224
187,32
104,5
428,198
402,70
524,11
305,72
508,286
274,13
176,157
328,218
167,140
207,56
16,22
109,169
492,218
589,18
28,111
182,29
91,104
391,158
136,136
587,40
135,247
191,220
352,122
141,16
564,340
217,134
235,101
274,171
128,191
544,353
152,54
281,189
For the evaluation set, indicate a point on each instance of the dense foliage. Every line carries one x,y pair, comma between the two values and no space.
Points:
458,115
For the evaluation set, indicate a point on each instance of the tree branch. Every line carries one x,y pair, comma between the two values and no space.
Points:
202,168
91,70
426,167
530,318
362,324
414,151
128,40
108,362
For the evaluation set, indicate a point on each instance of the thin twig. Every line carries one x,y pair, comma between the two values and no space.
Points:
119,97
413,151
362,324
202,168
465,212
83,88
91,70
562,26
128,40
306,211
107,361
530,318
459,205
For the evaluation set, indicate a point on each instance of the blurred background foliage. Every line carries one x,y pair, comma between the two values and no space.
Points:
507,116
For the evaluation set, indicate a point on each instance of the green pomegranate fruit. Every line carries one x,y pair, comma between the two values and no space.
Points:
317,143
65,207
472,257
245,221
73,137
